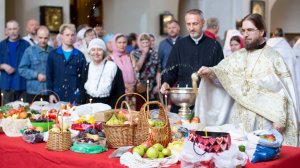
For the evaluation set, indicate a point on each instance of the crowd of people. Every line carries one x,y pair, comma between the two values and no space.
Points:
261,84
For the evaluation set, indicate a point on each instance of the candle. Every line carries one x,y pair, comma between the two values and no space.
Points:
91,112
205,131
166,102
1,99
21,99
41,99
147,94
150,135
47,115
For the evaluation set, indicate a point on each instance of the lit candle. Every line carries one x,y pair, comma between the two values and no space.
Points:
21,99
166,102
41,99
91,107
147,90
1,99
147,94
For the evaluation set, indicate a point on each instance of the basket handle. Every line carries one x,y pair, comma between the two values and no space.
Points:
162,112
127,94
62,121
125,103
43,92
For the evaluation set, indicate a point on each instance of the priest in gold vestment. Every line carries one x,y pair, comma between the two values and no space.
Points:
252,87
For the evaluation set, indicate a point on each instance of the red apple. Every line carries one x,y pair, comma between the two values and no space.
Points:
196,119
146,144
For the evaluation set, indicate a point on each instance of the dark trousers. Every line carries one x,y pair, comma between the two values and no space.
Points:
31,98
12,95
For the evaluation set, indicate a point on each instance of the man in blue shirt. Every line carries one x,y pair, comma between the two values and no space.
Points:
64,67
166,45
33,66
12,49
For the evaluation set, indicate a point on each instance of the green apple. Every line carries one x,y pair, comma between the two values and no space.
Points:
151,122
144,147
166,152
139,150
152,153
158,146
161,155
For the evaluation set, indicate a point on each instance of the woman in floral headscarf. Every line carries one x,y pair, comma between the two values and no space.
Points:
147,65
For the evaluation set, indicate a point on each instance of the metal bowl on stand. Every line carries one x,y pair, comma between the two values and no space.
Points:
184,97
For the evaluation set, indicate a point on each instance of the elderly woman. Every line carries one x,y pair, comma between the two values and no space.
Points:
102,79
147,65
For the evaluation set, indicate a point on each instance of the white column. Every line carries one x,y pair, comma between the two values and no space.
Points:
2,19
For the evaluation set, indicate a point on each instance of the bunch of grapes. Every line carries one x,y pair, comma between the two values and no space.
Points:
87,140
29,132
39,138
101,134
91,130
33,136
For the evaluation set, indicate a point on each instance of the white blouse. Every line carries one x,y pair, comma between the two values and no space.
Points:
100,78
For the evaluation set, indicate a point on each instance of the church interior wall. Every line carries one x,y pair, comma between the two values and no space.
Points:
138,16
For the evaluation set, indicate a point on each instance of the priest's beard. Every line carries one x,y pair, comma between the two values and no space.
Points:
252,45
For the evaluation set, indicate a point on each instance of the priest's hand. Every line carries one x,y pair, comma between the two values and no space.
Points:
280,128
204,71
165,88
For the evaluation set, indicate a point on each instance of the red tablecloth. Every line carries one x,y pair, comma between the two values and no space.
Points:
14,152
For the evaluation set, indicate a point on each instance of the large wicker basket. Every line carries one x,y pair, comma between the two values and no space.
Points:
162,134
120,135
124,135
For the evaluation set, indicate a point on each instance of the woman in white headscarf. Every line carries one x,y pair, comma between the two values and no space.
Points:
102,79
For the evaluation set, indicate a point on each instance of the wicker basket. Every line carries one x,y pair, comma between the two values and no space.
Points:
120,135
124,135
160,135
59,141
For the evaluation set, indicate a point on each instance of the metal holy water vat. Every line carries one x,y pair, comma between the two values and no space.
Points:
184,97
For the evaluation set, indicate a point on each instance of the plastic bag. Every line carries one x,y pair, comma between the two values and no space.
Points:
12,127
189,158
87,148
33,138
263,145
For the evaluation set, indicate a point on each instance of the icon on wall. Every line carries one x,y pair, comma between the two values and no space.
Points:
163,20
52,17
258,7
